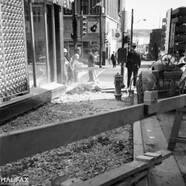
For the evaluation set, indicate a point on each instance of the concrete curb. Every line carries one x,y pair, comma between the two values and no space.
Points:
139,148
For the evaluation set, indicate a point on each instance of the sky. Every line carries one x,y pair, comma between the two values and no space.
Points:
151,10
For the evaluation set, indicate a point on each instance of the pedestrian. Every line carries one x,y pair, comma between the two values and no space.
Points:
113,59
75,67
91,64
133,64
66,64
68,68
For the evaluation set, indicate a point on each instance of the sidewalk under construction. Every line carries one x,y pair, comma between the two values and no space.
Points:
151,134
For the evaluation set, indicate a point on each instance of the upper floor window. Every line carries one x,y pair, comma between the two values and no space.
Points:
89,7
85,6
95,10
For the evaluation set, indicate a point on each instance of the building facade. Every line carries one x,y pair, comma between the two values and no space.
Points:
105,14
155,43
32,45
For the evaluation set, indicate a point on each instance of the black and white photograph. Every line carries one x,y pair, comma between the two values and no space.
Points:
93,92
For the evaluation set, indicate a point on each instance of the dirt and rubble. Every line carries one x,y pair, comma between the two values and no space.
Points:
82,159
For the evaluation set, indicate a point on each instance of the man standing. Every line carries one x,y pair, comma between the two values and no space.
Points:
91,63
133,64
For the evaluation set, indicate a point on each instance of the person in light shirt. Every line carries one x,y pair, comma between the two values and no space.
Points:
75,67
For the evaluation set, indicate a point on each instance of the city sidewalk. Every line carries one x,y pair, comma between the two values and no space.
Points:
156,133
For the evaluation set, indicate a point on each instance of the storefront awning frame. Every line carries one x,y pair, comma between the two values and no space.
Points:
63,3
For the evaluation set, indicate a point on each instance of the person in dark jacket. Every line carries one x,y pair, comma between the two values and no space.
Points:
133,64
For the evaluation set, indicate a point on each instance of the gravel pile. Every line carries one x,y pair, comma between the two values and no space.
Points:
82,159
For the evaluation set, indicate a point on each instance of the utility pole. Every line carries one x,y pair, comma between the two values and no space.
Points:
131,34
100,36
122,32
122,52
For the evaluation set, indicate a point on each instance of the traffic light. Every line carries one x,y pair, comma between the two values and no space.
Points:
84,25
74,28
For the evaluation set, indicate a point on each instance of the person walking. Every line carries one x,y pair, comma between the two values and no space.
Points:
113,59
133,64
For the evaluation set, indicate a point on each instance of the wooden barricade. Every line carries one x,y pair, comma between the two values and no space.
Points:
174,137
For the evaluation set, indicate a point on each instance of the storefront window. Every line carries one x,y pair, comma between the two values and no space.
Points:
40,44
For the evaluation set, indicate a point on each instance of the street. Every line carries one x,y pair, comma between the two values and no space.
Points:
106,74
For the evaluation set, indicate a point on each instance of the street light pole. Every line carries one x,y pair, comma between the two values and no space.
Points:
100,35
74,27
131,34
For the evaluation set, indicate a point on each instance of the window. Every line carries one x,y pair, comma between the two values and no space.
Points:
94,10
85,6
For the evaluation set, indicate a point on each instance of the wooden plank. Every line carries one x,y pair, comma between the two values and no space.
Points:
144,158
181,140
63,133
120,174
165,105
134,179
175,130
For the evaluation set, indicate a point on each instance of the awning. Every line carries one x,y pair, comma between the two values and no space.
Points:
64,3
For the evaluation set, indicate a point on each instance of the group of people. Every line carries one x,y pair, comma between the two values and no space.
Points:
71,70
71,66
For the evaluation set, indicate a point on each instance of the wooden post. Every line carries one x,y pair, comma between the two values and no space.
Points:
174,137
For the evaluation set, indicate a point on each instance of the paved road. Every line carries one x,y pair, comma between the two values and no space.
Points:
107,73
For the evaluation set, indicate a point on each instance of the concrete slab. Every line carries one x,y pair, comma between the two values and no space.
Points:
180,150
167,173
